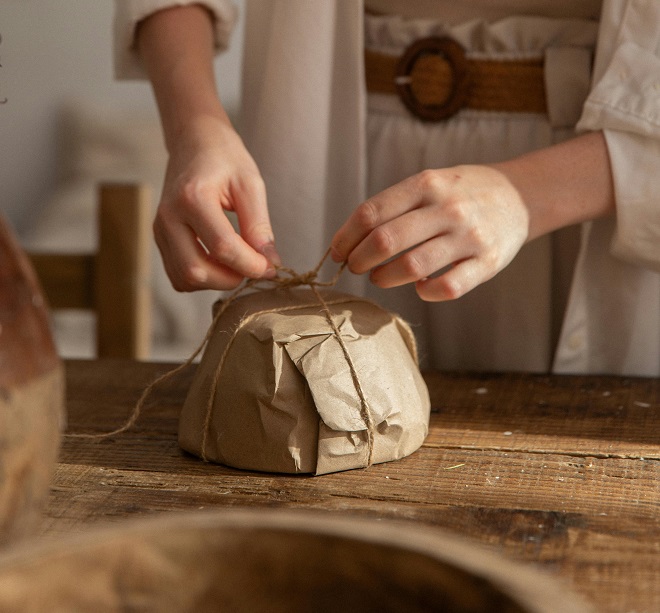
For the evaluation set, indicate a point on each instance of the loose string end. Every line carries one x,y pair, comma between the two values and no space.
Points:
286,277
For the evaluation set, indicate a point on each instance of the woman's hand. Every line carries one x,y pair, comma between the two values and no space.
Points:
209,173
445,230
449,230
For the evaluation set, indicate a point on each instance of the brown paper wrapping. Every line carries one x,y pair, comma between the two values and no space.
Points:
285,400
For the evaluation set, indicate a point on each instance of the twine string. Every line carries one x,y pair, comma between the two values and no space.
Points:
286,278
134,416
365,411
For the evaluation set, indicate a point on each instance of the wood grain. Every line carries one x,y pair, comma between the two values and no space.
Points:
560,472
122,291
67,279
114,282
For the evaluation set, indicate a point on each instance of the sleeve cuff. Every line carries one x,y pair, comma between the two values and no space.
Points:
635,161
626,97
128,13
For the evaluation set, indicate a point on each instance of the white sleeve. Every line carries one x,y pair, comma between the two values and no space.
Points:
625,103
128,13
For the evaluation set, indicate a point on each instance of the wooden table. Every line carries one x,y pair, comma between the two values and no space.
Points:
562,472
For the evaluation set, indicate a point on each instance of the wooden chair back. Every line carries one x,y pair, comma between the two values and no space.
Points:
114,282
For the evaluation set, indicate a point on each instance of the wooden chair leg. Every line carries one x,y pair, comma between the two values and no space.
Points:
123,272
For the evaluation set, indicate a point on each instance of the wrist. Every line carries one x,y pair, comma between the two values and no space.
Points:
176,46
201,129
564,184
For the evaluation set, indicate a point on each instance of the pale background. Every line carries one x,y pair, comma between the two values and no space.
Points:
67,125
54,52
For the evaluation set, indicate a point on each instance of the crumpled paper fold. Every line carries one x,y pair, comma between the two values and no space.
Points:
285,400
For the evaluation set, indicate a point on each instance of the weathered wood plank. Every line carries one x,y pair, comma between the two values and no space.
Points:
597,542
575,487
482,477
582,416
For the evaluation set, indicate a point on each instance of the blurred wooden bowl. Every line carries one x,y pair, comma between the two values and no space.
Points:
31,394
271,560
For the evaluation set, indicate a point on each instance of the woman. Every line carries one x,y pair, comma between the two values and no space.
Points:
475,241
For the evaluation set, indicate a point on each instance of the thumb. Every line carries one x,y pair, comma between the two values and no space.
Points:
253,220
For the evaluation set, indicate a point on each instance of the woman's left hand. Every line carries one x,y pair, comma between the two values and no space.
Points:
445,230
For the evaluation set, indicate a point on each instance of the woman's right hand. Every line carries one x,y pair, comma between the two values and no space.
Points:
210,173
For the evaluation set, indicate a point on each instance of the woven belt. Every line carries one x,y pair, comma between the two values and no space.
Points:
435,80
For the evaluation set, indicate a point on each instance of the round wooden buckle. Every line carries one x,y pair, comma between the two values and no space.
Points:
454,54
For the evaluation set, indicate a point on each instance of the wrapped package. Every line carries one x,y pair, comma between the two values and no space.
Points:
278,391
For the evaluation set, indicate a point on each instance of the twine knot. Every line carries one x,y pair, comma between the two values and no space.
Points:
285,278
294,279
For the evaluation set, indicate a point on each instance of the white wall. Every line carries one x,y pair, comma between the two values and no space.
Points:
53,52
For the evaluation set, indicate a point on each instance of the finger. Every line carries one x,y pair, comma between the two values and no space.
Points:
418,263
396,237
186,262
463,277
372,213
226,247
249,198
271,254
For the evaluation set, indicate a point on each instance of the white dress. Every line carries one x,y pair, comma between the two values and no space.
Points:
323,145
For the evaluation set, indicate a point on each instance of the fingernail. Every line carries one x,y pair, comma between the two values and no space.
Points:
270,273
335,255
269,251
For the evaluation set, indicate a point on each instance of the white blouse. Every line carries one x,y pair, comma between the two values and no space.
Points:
612,322
453,12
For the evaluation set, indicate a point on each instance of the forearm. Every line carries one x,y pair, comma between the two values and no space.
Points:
176,46
564,184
